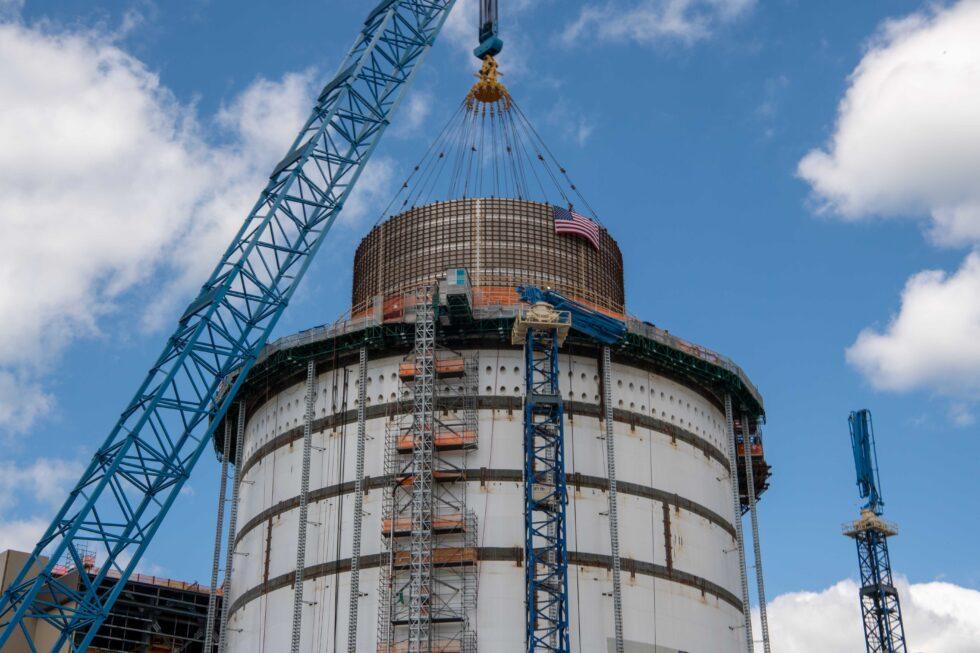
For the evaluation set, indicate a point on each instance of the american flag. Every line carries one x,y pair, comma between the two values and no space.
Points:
570,222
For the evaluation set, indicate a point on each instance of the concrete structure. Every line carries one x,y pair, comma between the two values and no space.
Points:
681,576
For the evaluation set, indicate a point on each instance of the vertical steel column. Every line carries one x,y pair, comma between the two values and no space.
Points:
756,545
355,558
304,496
420,588
737,513
613,507
218,532
232,530
545,496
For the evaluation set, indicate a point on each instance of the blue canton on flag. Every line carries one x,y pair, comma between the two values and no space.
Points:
570,222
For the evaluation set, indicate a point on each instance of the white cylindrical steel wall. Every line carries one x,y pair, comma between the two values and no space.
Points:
686,603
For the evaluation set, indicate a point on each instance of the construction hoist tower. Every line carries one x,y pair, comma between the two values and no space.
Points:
541,330
881,611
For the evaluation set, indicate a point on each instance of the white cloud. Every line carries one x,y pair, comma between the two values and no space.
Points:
413,113
108,183
21,534
574,126
654,21
907,138
46,480
907,144
21,401
933,341
939,618
39,486
960,414
11,8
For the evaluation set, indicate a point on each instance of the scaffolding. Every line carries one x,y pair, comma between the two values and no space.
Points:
429,535
737,517
751,447
209,630
236,482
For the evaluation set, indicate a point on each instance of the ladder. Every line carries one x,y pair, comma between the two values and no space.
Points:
737,516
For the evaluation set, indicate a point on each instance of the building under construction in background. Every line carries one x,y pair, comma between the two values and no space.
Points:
152,615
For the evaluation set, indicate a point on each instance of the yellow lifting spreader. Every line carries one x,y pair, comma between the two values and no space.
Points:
488,88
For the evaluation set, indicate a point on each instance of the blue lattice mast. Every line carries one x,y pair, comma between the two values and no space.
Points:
134,477
542,330
881,611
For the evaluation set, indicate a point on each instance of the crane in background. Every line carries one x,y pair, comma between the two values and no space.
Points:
881,612
136,474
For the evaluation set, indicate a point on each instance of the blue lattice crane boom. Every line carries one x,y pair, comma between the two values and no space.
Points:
881,612
134,477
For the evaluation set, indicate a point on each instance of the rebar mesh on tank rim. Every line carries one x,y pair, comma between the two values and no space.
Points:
502,243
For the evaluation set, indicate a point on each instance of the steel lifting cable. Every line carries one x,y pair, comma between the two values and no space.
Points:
554,159
489,149
451,123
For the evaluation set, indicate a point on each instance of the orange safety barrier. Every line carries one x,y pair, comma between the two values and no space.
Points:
495,296
442,441
393,308
61,570
443,524
449,556
437,646
445,367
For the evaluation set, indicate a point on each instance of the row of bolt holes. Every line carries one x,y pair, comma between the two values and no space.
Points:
517,390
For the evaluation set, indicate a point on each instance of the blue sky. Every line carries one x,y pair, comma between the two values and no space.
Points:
684,122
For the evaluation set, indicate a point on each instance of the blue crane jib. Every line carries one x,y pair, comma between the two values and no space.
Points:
865,459
136,474
605,329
